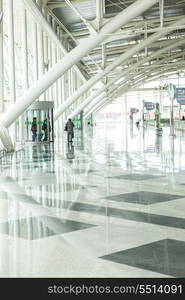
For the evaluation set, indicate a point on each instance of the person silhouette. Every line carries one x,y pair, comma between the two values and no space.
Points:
70,130
34,129
46,127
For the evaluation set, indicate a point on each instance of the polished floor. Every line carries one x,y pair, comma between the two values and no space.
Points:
110,205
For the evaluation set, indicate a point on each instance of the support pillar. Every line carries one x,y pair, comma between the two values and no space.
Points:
50,53
46,62
99,12
161,7
24,67
40,56
35,51
126,123
81,119
59,88
11,51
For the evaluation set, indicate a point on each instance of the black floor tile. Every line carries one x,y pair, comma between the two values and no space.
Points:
129,215
136,177
165,257
144,197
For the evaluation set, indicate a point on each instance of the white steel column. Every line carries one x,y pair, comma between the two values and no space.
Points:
49,47
40,55
124,98
62,98
46,53
35,51
24,49
64,91
50,65
54,57
72,58
11,51
1,62
99,12
53,51
4,134
46,62
59,90
104,60
161,7
24,66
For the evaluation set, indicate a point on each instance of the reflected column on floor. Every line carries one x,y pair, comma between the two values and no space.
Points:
158,143
172,152
79,139
70,151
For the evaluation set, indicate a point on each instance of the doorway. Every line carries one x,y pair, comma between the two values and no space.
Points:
39,125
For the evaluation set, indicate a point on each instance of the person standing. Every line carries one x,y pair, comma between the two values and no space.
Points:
70,130
46,128
34,129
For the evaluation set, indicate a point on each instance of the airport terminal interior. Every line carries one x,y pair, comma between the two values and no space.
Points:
110,202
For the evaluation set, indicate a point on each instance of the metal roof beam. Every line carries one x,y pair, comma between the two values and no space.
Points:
114,64
129,77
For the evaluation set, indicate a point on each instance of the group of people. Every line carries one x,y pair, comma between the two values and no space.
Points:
45,128
69,127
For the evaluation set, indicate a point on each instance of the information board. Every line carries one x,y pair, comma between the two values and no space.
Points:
149,105
180,95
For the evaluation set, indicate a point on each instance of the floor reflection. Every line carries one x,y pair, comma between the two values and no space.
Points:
79,139
106,196
40,227
70,151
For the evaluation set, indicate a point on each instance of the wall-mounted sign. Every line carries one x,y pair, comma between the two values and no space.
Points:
134,110
149,105
180,95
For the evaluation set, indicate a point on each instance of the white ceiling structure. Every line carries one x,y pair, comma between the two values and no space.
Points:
144,58
82,18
